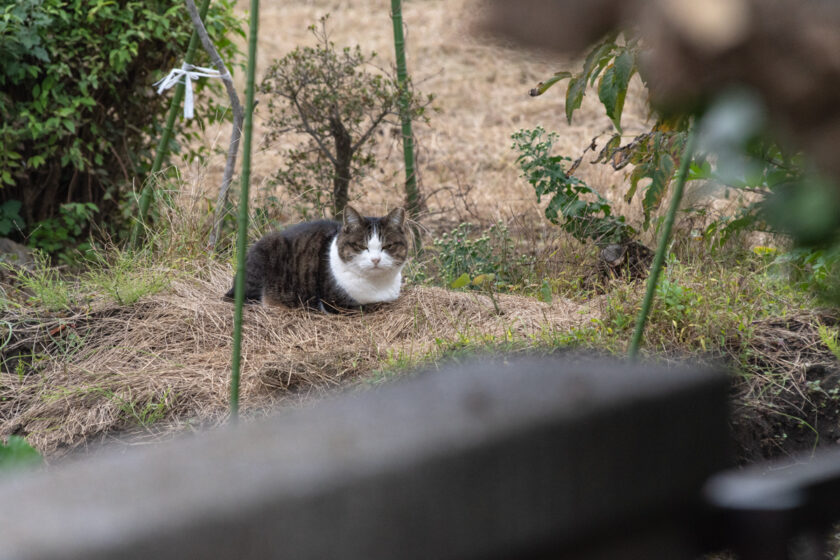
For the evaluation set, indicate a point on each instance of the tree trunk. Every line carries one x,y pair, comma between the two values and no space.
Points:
344,155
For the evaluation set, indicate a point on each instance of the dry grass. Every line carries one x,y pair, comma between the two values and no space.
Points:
168,356
790,399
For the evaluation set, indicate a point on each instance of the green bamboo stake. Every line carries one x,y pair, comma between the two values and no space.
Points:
659,258
242,238
163,144
412,194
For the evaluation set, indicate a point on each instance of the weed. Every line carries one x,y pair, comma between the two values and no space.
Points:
63,235
829,338
125,276
144,413
493,253
45,286
16,453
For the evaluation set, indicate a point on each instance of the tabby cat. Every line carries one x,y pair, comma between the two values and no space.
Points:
329,265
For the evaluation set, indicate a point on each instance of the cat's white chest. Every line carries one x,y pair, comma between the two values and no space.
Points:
363,284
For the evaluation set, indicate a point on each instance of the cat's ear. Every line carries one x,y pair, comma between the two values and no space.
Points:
352,219
395,218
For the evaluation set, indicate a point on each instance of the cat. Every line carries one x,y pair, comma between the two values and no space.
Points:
327,265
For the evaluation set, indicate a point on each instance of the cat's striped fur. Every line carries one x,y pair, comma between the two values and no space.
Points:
329,265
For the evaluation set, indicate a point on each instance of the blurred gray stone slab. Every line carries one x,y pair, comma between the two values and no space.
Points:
508,459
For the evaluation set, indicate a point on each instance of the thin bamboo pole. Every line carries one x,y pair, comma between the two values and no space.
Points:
412,194
163,143
656,267
242,239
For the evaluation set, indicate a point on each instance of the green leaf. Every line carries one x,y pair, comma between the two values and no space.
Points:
661,178
460,282
545,291
543,86
612,89
16,453
483,279
574,96
639,173
597,59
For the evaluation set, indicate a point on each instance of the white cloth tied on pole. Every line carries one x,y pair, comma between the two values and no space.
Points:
188,73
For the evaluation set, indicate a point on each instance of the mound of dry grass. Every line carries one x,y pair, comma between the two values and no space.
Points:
166,359
791,402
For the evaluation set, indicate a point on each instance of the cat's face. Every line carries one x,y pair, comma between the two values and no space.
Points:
373,246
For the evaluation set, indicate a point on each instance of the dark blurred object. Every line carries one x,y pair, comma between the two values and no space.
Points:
786,50
551,24
562,457
762,511
630,261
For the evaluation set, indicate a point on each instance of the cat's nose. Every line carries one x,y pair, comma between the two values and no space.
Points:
375,260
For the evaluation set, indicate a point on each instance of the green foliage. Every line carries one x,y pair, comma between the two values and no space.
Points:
63,235
736,150
78,117
480,262
814,270
617,61
143,413
338,100
45,286
707,306
10,219
829,338
16,453
573,204
125,276
613,86
676,301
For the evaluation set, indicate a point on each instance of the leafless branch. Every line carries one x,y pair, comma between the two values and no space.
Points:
238,118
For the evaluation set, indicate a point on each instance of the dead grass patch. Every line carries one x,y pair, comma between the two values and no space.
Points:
69,379
788,401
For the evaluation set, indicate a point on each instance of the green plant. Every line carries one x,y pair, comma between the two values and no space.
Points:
338,103
242,220
63,235
829,338
814,269
573,204
78,119
46,287
492,255
735,150
16,453
619,59
144,413
675,301
10,219
125,276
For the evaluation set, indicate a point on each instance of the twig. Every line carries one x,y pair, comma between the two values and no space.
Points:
238,116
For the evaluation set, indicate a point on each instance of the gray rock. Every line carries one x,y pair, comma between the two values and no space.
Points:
15,254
